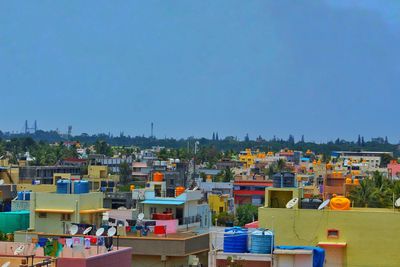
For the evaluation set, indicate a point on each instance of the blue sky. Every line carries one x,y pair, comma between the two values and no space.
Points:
325,69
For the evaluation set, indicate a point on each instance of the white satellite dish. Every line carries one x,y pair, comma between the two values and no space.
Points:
74,229
122,208
87,230
112,231
397,203
292,203
140,216
324,204
7,264
195,188
1,181
19,250
100,232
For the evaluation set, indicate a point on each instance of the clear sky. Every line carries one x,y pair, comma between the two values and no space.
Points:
325,69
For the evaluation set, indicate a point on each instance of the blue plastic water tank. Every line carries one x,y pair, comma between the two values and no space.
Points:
81,187
262,241
235,240
63,187
24,195
285,179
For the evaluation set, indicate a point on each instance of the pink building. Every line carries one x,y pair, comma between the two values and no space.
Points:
393,169
67,258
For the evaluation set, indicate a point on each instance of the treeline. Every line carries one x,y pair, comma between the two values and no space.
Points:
229,143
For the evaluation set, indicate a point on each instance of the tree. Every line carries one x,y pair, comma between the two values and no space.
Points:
246,214
280,165
102,147
363,195
125,172
291,139
228,175
385,160
223,218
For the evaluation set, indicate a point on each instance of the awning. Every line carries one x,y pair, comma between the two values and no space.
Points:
162,202
332,244
93,211
54,211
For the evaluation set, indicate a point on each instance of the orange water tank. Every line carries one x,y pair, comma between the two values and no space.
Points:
339,203
179,190
356,182
348,181
158,177
132,187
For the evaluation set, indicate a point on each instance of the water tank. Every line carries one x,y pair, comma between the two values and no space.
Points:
262,241
286,179
339,203
63,187
24,195
81,187
158,177
179,190
235,240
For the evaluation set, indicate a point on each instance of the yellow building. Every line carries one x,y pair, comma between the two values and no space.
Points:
98,174
356,237
218,203
54,213
248,157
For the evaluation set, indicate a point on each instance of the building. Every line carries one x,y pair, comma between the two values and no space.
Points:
112,163
393,170
45,174
220,188
220,203
250,192
248,157
68,257
372,158
99,178
55,213
346,235
186,208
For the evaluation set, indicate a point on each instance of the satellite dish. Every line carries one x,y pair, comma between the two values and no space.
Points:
100,232
324,204
112,231
397,203
1,181
7,264
292,203
87,230
19,250
140,216
122,208
74,229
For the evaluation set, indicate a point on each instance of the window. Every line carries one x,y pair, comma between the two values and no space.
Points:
153,210
65,217
42,215
221,209
333,233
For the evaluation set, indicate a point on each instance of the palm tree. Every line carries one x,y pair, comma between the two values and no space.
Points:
281,164
365,194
